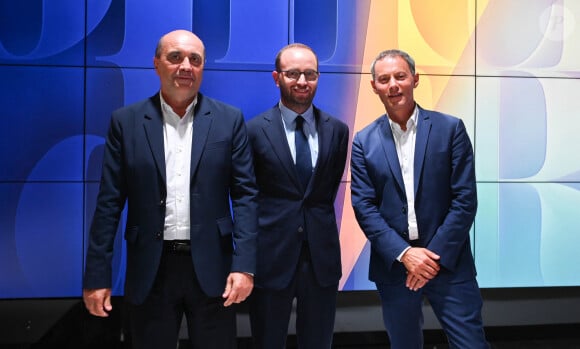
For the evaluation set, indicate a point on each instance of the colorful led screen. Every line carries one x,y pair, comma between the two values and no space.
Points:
509,68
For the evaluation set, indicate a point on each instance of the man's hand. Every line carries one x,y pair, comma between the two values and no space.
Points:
238,288
422,265
98,301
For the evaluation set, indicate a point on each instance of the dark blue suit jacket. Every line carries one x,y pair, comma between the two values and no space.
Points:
285,209
134,172
445,195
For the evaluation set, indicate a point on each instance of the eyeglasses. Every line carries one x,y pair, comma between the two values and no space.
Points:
294,74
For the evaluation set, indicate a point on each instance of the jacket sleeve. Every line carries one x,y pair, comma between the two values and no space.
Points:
110,203
243,192
367,192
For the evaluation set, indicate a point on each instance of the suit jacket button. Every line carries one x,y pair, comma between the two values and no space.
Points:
300,229
406,234
158,235
404,210
162,202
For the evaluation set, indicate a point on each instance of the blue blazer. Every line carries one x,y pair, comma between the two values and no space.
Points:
287,212
445,195
134,172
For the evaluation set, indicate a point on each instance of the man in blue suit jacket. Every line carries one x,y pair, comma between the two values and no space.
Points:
414,196
298,245
176,159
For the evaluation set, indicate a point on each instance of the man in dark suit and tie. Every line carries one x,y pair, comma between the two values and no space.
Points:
176,159
299,158
414,195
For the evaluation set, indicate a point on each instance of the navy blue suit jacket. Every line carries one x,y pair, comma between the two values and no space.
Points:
445,195
134,172
286,211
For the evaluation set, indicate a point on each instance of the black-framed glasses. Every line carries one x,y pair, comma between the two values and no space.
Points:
294,74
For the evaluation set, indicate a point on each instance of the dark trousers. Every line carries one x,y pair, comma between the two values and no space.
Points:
155,323
315,311
456,305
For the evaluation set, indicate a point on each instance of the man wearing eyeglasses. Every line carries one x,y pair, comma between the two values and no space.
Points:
299,158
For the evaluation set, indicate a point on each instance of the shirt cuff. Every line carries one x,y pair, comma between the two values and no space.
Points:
402,253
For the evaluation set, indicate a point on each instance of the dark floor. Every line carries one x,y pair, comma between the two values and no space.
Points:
522,337
77,330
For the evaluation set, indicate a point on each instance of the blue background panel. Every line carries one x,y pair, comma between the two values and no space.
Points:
42,32
41,244
526,234
43,123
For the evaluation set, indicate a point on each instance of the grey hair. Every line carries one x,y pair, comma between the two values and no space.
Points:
394,53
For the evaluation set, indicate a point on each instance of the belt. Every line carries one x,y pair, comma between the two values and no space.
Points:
177,246
415,243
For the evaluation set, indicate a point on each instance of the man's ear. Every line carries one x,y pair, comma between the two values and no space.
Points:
275,76
374,87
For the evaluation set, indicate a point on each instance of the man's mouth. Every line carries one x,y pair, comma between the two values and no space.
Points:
301,90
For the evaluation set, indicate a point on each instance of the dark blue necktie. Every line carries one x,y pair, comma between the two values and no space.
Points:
303,158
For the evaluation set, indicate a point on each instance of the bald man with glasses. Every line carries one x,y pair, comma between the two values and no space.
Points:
299,157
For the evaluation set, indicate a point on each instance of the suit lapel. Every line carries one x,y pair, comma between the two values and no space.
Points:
274,131
390,149
202,120
153,123
325,137
423,129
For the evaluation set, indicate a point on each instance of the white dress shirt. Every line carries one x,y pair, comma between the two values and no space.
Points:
177,136
405,144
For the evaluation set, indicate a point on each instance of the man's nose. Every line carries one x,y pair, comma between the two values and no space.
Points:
185,64
302,78
393,84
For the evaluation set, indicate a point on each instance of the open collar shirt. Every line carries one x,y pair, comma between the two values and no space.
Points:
177,136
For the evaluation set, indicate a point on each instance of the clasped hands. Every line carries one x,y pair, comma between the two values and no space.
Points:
422,265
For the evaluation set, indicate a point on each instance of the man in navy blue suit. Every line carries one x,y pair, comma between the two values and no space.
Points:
414,195
176,159
299,158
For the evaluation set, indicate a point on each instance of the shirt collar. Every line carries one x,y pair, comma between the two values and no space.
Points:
411,123
289,115
168,111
